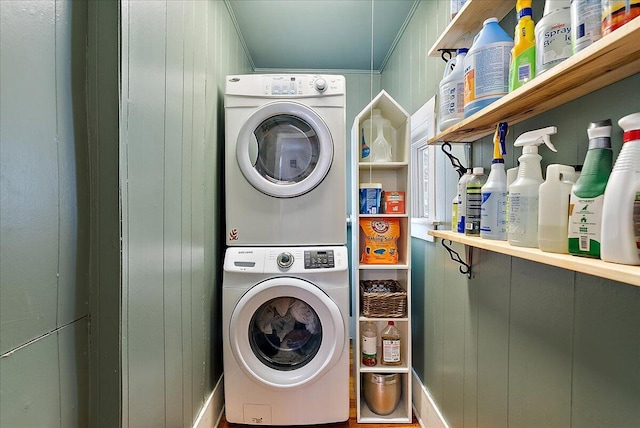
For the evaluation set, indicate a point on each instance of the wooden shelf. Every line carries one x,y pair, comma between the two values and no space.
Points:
382,165
468,21
617,272
610,59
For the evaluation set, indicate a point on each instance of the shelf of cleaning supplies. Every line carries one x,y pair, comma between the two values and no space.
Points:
610,59
622,273
468,21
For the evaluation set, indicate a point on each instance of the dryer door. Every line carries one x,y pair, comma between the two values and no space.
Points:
284,149
286,333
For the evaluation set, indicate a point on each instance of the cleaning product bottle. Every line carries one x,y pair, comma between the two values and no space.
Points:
454,213
474,201
391,345
523,55
369,347
553,208
462,199
365,150
587,195
493,212
553,35
616,13
523,193
586,23
451,99
621,207
486,67
379,136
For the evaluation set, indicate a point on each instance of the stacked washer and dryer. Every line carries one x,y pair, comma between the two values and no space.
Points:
285,281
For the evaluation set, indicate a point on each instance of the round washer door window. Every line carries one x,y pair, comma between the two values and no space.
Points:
286,333
284,149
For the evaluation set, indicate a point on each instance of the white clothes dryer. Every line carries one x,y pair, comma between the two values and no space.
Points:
285,160
285,335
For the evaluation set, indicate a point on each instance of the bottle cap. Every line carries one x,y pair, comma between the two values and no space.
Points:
599,134
478,170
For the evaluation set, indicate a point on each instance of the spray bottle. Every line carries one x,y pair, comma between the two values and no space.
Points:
523,55
621,207
523,193
587,196
493,212
553,208
462,199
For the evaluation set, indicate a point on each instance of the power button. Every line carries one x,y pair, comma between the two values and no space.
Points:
285,260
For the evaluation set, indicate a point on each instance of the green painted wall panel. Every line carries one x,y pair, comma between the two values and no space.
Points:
606,351
491,279
540,337
73,346
30,393
30,201
177,55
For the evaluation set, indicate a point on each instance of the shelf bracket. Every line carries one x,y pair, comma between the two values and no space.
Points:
465,269
455,162
448,53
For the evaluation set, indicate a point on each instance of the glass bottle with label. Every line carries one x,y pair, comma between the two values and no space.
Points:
369,344
391,345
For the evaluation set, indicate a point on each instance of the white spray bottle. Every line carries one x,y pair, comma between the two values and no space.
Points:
523,193
493,211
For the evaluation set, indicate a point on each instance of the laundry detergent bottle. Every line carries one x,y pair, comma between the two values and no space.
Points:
493,211
486,67
523,193
523,55
587,195
451,98
621,207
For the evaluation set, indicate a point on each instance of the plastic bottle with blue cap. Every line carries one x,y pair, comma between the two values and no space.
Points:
523,193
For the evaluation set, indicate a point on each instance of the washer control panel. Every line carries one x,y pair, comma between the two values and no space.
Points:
319,259
302,85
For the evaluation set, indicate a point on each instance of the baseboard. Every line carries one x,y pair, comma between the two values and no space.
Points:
211,412
424,407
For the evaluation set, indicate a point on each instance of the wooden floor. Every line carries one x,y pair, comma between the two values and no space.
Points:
352,422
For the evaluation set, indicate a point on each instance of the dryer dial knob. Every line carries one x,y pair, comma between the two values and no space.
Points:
285,260
320,85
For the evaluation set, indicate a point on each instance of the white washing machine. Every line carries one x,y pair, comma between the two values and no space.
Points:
285,332
285,161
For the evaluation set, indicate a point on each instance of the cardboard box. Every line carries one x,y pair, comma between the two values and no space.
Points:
393,202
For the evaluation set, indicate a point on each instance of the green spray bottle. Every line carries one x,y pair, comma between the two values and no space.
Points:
587,195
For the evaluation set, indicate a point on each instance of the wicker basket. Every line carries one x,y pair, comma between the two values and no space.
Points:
383,298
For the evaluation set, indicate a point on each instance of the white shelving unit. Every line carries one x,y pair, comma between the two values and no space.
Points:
394,176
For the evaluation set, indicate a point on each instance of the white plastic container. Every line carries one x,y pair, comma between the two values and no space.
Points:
553,35
621,207
553,209
451,95
486,67
586,23
379,139
493,213
474,201
523,193
462,199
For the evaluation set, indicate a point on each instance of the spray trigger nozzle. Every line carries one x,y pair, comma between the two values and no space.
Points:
529,141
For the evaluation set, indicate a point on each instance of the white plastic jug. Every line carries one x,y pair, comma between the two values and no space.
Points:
451,97
379,137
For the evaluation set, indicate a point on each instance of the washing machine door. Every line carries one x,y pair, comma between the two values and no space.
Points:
284,149
286,333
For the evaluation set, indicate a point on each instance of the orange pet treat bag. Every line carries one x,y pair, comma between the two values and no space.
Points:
380,240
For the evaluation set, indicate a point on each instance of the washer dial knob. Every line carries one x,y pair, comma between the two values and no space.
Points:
285,260
320,85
